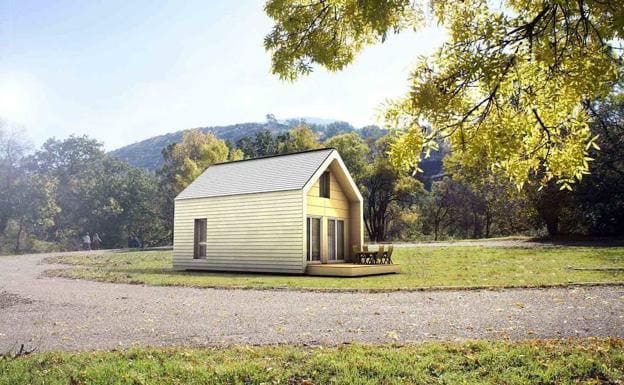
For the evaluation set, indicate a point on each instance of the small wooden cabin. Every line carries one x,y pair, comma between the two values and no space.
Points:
273,214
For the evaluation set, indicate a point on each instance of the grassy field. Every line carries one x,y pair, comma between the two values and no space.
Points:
421,268
546,362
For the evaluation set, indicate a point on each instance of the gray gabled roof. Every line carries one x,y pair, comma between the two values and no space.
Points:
273,173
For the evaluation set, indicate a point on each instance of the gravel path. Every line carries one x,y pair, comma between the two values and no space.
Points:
62,314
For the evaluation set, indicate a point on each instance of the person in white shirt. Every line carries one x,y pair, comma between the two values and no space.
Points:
86,242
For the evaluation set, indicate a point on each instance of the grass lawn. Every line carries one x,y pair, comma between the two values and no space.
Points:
470,266
546,362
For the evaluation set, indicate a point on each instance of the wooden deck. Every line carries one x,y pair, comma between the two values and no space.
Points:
351,269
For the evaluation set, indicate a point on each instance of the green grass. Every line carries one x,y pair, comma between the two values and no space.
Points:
421,268
548,362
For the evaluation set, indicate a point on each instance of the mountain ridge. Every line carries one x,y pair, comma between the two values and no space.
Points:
147,153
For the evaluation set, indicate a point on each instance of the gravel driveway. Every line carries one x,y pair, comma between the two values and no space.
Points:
55,313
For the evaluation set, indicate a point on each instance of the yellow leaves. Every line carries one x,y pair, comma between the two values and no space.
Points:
509,85
519,107
331,33
406,149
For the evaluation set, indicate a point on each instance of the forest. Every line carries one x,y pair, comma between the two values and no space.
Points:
52,195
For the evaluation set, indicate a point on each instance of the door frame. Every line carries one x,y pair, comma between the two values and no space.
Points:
344,239
308,239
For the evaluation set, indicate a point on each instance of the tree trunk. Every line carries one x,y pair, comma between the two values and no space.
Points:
19,236
552,225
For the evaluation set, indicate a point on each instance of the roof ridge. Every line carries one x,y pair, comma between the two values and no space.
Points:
273,156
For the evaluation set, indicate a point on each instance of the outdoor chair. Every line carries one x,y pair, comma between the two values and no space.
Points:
380,255
389,254
357,254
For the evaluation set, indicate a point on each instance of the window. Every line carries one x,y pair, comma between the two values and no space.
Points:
324,185
313,239
199,238
331,239
335,240
340,244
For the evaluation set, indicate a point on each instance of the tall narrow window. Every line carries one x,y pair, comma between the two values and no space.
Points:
199,239
331,239
340,240
324,185
335,240
313,239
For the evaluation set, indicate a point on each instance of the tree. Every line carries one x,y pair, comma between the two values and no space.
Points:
436,208
299,138
75,165
596,207
600,196
13,148
236,154
184,162
387,192
353,150
494,204
94,192
142,215
35,206
491,85
337,128
194,154
264,144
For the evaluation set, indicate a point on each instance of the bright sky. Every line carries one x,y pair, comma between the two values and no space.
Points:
123,71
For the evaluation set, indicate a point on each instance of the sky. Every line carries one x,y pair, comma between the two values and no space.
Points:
123,71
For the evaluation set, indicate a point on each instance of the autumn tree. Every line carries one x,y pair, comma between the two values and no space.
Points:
299,138
184,162
353,150
512,78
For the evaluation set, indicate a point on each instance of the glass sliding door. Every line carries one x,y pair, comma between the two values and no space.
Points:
340,240
335,240
313,238
331,239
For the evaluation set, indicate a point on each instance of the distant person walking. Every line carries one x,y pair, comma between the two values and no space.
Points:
96,242
86,242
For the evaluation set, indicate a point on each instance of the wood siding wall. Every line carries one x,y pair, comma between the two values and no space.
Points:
252,232
336,207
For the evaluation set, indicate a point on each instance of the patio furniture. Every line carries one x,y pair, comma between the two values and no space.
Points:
379,257
388,254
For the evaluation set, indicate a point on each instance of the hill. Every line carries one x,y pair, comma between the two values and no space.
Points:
147,153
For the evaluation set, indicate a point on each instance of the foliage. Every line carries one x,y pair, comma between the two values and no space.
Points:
353,150
263,144
421,267
600,197
13,148
488,202
300,138
147,154
491,86
70,187
596,207
184,162
35,207
387,193
329,33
